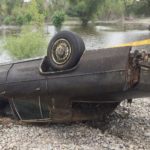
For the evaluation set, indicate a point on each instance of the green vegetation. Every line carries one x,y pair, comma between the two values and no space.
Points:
58,18
111,9
32,14
18,12
31,42
139,8
8,20
84,9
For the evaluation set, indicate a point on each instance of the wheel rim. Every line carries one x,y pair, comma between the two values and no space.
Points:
61,51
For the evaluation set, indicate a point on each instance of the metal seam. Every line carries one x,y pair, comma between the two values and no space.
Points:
85,74
16,109
40,107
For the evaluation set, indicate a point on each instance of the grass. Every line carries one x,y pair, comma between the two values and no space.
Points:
31,42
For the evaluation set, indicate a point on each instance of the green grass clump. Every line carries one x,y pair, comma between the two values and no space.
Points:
29,43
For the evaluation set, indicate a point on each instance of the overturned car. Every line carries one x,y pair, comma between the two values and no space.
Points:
71,84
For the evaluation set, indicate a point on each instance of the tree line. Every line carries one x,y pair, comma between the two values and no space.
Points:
18,12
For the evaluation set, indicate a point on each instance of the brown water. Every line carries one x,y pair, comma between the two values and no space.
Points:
100,36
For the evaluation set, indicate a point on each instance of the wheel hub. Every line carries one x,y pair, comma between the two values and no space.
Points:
61,51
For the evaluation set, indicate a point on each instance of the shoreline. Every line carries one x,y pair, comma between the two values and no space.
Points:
141,21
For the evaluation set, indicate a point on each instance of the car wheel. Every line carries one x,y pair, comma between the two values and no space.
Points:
82,45
64,50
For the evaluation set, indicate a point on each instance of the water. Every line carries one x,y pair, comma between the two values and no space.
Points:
99,36
105,36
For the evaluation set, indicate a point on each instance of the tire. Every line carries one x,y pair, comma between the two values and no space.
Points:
65,50
81,43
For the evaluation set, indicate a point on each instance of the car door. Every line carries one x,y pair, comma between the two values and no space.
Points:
24,79
25,85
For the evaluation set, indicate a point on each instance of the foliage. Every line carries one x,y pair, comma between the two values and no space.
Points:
58,18
84,9
140,8
37,11
32,13
41,6
20,20
29,43
8,20
10,5
111,9
56,5
29,13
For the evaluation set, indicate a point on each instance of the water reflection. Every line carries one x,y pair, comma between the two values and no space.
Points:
104,36
99,36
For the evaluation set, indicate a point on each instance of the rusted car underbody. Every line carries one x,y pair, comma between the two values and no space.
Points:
89,90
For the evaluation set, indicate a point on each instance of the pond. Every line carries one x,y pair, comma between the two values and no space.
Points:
98,36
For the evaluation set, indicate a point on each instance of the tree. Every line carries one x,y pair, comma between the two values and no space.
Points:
111,9
28,14
2,9
141,7
10,4
55,5
84,9
58,18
